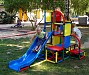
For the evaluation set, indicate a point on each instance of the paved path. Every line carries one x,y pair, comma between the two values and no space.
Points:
9,25
86,44
6,31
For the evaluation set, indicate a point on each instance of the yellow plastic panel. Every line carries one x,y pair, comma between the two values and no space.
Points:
20,14
37,13
56,40
25,16
48,16
67,29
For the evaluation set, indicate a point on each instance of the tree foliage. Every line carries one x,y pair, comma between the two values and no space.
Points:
79,6
7,18
14,5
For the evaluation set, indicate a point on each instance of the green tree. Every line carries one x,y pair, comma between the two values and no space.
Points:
1,2
14,5
79,6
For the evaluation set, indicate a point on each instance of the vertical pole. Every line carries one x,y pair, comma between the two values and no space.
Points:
46,55
51,28
79,54
45,20
51,21
63,56
69,51
67,9
56,57
84,54
74,46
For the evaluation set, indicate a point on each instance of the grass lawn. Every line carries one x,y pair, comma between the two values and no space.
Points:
14,48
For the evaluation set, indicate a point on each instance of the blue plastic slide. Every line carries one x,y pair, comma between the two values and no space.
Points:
29,57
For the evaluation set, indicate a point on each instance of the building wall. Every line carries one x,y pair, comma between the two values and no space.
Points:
2,8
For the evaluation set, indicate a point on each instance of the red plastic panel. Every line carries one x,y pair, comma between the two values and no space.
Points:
75,51
55,48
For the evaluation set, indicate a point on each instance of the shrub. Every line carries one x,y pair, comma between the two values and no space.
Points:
6,18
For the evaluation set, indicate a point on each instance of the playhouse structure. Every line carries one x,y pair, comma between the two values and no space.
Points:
61,47
57,50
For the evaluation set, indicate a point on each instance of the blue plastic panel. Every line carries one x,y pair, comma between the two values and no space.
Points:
66,41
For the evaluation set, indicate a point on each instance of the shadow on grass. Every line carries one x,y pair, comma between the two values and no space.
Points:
67,67
11,49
